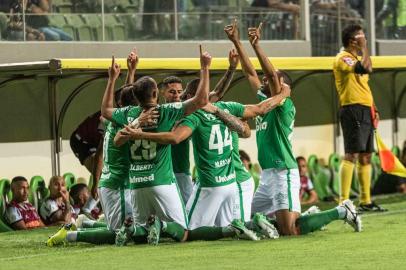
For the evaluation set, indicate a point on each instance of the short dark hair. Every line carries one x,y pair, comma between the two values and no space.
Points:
191,88
286,78
349,33
75,190
127,96
168,80
299,158
18,179
244,155
143,89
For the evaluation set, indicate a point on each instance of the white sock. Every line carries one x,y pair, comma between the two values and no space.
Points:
342,211
72,236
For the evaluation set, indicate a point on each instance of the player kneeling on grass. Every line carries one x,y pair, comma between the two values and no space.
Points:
20,214
278,192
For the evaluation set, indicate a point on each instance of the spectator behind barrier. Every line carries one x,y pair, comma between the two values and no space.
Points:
40,21
57,208
20,214
306,185
83,203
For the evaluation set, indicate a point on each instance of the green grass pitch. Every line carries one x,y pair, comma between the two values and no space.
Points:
382,245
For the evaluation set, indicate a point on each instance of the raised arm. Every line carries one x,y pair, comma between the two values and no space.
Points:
224,83
246,65
107,107
232,122
254,35
268,104
366,62
201,97
132,63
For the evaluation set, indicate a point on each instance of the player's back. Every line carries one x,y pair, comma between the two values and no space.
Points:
212,146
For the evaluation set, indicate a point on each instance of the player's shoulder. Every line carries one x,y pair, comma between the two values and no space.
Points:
346,58
170,106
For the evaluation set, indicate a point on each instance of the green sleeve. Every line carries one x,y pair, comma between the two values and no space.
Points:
260,95
286,106
234,108
120,116
192,121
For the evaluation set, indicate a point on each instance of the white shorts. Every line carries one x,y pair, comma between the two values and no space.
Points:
163,201
245,193
185,185
211,206
277,190
116,206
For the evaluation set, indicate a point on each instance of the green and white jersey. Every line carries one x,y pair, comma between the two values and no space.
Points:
213,146
150,162
240,170
116,160
274,133
180,157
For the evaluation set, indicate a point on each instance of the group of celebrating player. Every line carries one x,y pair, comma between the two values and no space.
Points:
145,188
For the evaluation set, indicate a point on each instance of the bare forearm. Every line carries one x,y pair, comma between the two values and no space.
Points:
222,86
232,122
130,77
107,102
246,65
271,103
267,67
201,98
366,60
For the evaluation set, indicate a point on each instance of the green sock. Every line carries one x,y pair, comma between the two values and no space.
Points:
97,236
173,230
93,224
210,233
140,234
314,222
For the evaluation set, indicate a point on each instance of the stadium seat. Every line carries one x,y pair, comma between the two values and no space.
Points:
59,21
62,6
90,183
127,6
115,29
334,162
3,25
38,191
5,196
396,151
94,20
321,178
84,31
69,180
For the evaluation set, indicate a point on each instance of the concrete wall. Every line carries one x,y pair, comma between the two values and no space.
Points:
391,47
12,52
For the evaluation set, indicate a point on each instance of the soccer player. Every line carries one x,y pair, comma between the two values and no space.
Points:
173,92
357,114
113,185
278,192
20,214
155,194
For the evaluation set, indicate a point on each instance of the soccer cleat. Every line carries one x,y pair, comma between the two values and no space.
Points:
123,236
371,207
154,230
351,216
242,232
60,236
312,210
266,228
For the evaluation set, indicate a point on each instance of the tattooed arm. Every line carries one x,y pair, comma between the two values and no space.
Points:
232,122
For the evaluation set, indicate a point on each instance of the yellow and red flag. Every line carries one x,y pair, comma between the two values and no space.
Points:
389,162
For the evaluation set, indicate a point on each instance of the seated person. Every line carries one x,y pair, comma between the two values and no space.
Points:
20,214
388,183
57,208
306,185
83,203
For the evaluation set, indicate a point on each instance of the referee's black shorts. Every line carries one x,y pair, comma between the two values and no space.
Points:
358,131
